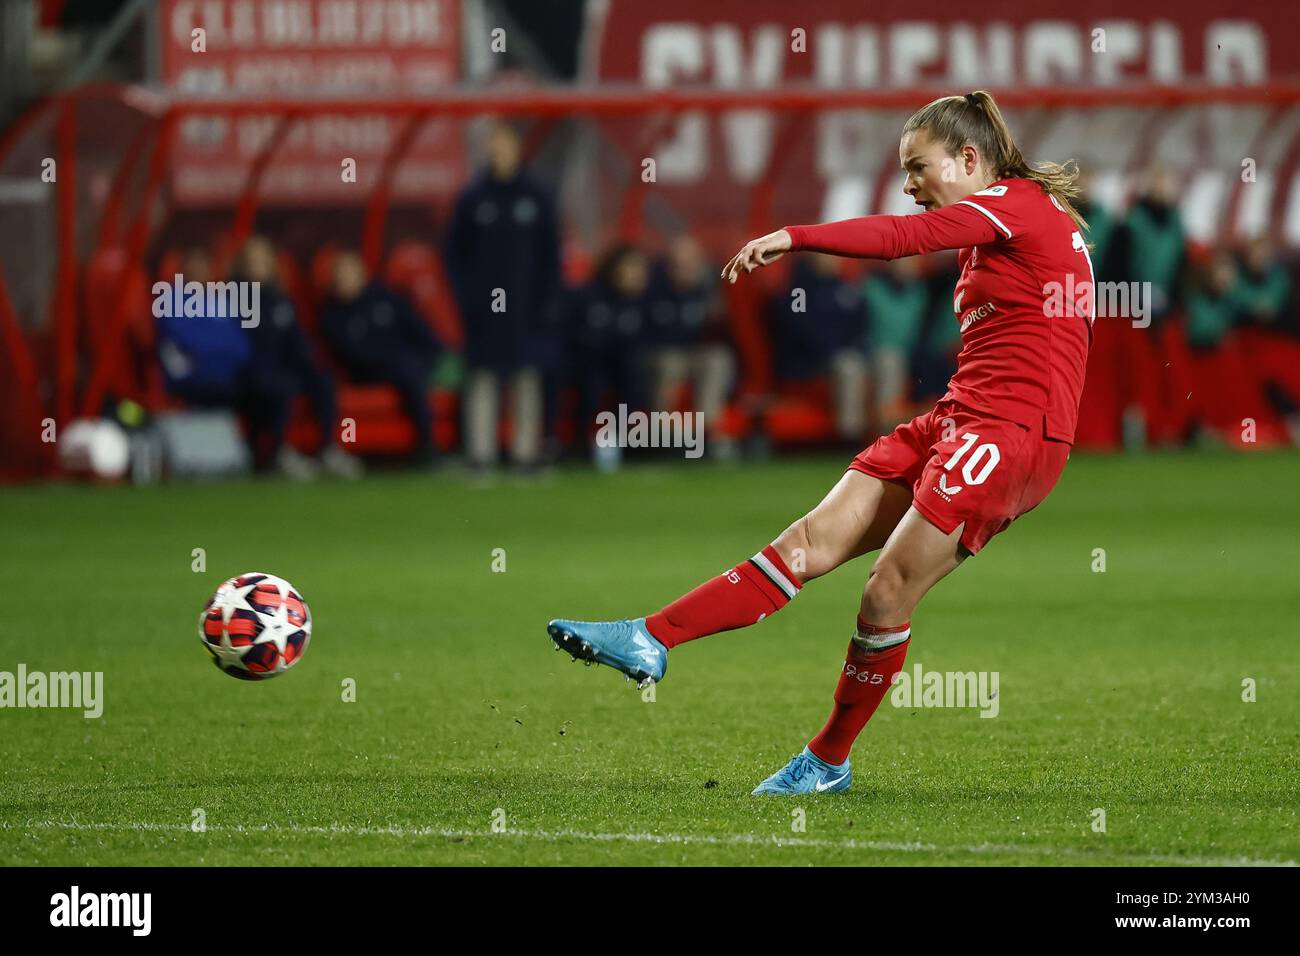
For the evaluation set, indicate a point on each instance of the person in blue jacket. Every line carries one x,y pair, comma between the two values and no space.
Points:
203,357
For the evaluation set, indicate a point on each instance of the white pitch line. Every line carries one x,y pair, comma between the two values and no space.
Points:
684,839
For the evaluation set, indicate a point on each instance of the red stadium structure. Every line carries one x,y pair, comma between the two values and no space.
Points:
77,331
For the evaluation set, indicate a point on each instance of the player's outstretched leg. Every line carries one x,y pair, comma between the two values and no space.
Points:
744,595
639,648
855,517
623,645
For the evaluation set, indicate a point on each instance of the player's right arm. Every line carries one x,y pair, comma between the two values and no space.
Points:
958,226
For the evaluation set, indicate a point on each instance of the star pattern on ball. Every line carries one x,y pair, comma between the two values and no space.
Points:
238,599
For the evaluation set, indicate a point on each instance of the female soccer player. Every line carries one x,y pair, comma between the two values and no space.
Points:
939,487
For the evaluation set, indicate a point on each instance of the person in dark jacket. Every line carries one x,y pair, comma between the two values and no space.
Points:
607,324
503,259
283,366
686,337
819,329
377,336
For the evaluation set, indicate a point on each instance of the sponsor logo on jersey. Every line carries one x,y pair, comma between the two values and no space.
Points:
977,313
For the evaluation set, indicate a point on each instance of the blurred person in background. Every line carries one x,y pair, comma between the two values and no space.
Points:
897,300
1150,250
819,330
685,336
1210,372
1101,224
935,358
282,367
204,358
378,338
607,327
503,258
1270,329
1101,408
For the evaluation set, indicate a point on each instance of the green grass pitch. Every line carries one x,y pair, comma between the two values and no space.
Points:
1119,691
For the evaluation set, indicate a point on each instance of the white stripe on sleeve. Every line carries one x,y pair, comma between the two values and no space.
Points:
988,215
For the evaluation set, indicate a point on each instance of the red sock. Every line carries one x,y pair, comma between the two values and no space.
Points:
743,596
875,655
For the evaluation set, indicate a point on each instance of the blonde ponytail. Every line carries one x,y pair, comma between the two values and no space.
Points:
955,121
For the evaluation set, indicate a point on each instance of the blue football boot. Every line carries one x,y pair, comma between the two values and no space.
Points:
807,773
623,645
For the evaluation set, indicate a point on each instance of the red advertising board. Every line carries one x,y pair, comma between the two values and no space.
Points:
898,43
838,163
311,47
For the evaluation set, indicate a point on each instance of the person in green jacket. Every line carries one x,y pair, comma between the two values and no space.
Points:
1101,226
1212,307
896,301
1152,245
1264,287
1270,330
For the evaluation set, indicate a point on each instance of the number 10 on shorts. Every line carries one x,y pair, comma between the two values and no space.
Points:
985,458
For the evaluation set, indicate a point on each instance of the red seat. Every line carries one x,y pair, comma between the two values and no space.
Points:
124,352
799,421
380,426
801,413
322,271
415,269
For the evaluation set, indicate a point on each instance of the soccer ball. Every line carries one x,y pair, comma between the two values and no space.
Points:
255,626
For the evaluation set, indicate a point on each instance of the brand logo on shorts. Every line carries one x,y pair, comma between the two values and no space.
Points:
945,490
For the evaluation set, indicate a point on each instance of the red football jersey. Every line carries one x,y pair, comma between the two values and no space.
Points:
1024,302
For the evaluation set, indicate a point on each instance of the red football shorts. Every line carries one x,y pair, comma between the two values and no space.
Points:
967,467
